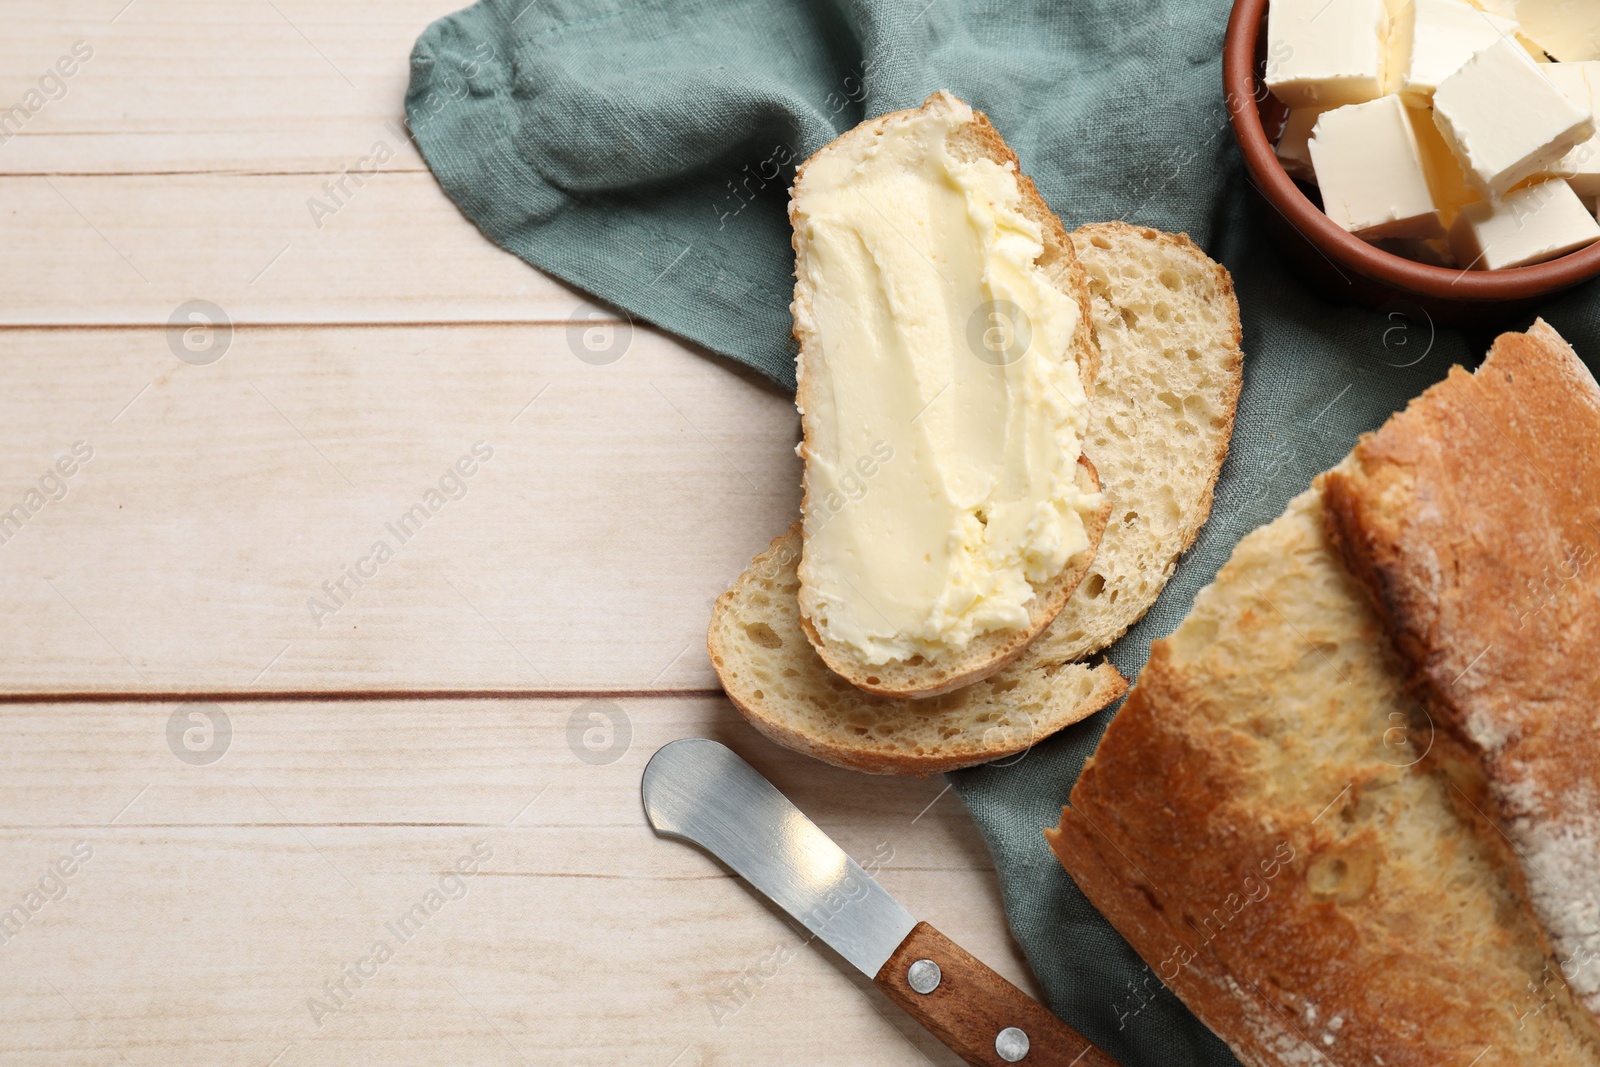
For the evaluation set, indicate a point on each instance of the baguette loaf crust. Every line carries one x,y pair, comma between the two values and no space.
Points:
987,653
1255,824
1473,522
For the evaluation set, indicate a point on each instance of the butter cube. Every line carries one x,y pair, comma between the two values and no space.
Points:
1504,120
1369,164
1326,53
1531,225
1580,82
1568,29
1446,180
1294,147
1430,39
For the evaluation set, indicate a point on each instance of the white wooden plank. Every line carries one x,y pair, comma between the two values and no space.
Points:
103,250
584,556
270,102
219,898
195,85
187,554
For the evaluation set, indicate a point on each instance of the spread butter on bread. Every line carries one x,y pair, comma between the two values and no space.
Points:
1165,394
945,367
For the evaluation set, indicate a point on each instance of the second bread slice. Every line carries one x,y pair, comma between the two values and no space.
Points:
1171,368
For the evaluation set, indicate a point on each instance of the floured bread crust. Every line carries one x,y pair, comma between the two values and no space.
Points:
1473,521
1257,824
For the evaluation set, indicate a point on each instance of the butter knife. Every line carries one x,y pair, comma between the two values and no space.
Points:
700,791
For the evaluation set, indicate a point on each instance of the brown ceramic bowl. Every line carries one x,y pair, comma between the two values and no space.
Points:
1339,264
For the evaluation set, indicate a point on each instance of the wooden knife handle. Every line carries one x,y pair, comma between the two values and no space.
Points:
971,1006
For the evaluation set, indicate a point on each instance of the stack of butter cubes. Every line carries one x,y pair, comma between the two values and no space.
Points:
1460,133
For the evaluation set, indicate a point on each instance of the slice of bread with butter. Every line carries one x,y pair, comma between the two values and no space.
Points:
944,329
1168,383
775,678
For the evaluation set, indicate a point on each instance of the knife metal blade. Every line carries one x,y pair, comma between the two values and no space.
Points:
699,790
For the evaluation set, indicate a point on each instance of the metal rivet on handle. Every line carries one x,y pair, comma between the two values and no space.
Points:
924,976
1011,1044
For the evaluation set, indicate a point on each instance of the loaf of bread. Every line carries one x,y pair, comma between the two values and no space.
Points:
1254,822
1269,820
1168,382
933,671
1473,522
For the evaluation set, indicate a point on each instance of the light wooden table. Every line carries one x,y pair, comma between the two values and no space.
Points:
252,775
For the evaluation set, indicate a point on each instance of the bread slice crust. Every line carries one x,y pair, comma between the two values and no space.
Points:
999,647
1255,826
986,653
1472,520
789,694
774,676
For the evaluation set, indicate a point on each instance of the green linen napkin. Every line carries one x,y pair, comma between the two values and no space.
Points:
642,150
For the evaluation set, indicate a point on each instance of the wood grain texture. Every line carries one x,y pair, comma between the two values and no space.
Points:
128,250
253,155
972,1006
219,898
190,553
192,85
370,352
